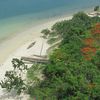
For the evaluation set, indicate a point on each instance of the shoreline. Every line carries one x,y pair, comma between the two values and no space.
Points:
16,46
39,22
12,43
29,34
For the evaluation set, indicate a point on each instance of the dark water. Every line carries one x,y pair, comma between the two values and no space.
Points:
18,14
9,8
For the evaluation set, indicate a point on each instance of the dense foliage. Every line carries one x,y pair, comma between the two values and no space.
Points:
73,71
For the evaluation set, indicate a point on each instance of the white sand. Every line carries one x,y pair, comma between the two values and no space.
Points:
11,44
16,47
22,51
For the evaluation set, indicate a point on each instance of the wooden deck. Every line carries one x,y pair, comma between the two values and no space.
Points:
35,60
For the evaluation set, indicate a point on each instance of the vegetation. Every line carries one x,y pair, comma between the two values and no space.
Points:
13,79
45,33
96,8
73,70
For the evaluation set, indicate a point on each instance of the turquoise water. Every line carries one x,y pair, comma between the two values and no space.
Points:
18,15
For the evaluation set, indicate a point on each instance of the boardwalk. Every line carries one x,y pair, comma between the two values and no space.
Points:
35,60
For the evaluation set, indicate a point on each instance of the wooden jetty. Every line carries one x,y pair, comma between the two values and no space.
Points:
35,60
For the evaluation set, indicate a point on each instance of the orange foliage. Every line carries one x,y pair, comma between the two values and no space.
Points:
98,25
88,56
96,29
87,50
89,41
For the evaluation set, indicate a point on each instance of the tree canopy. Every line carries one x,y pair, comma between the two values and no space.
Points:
73,71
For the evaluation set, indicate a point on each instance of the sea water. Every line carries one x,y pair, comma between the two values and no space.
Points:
18,15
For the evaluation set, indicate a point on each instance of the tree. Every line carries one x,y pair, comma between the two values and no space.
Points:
45,33
13,79
82,20
68,76
96,8
33,74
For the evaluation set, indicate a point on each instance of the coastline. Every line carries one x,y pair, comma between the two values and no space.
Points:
8,45
12,43
15,46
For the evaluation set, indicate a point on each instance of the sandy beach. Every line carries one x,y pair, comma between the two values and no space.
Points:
11,44
16,47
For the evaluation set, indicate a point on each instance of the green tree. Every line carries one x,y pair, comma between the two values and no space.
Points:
45,33
96,8
68,76
13,79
